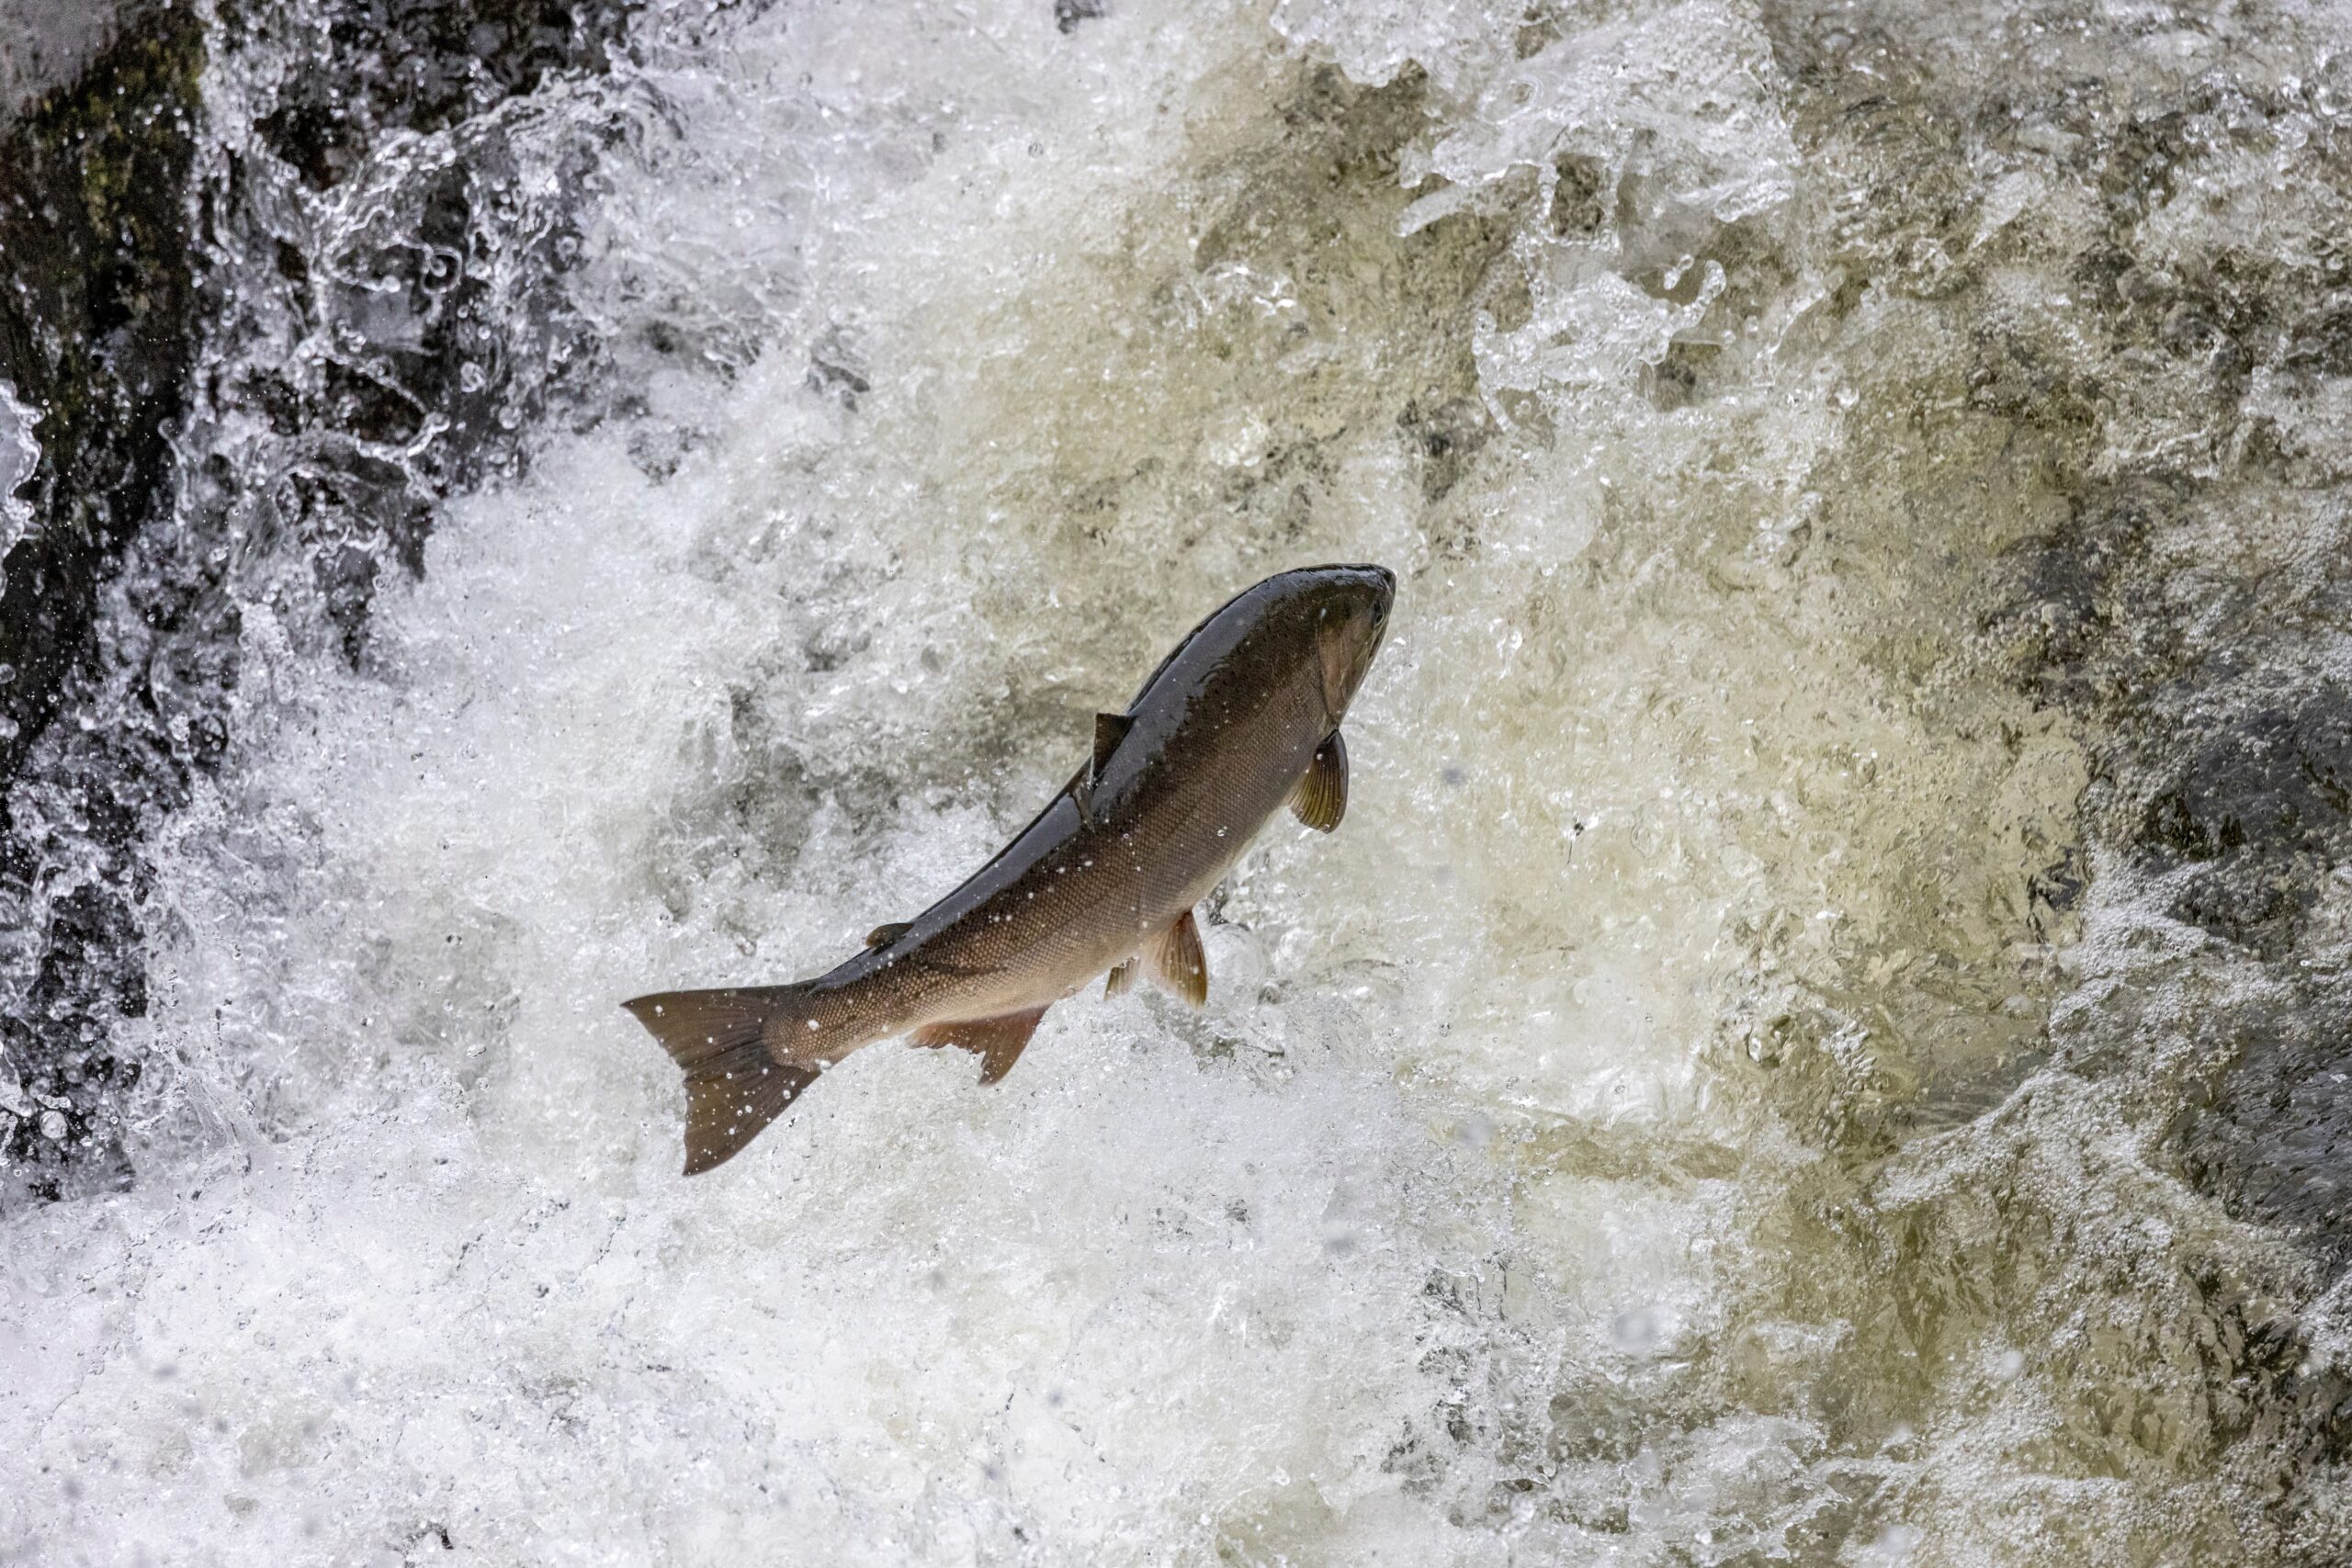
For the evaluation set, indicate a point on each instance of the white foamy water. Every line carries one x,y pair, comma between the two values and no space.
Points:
19,455
1609,1147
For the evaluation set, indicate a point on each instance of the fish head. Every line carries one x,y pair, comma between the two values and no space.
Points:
1351,606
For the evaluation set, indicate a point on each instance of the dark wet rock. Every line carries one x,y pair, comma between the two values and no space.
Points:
95,336
2272,774
2247,899
2057,597
251,391
2013,377
419,65
1580,197
44,45
2272,1140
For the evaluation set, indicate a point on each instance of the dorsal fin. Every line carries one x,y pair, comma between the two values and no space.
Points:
884,935
997,1042
1176,962
1110,729
1321,798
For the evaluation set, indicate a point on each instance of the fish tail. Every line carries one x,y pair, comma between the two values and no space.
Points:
735,1086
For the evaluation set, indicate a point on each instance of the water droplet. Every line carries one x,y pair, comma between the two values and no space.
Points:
1634,1331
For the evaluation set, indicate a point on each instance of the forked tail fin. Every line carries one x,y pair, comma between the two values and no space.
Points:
734,1087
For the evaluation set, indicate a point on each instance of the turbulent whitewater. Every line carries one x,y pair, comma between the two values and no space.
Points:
1821,1041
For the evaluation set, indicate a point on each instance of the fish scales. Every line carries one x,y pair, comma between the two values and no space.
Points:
1240,717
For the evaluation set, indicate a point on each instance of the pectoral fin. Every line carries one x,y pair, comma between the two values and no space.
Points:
1121,980
997,1042
1176,962
883,936
1320,798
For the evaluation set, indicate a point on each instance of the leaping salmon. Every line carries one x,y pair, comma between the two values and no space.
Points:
1243,716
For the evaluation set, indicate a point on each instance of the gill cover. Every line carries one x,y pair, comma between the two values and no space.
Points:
1336,652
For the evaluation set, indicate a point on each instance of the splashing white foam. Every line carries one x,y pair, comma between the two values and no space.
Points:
19,456
959,366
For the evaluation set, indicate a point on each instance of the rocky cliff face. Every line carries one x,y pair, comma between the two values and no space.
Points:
235,319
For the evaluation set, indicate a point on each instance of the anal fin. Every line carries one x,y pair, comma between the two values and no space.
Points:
1121,980
1321,798
1176,962
998,1042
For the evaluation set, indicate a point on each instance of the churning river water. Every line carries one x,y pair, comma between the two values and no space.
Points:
1821,1039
